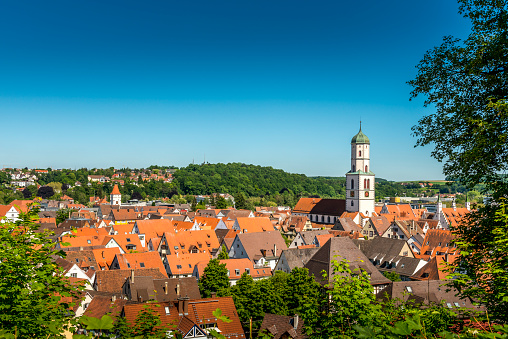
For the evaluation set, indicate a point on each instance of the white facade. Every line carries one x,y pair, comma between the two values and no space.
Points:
360,180
116,199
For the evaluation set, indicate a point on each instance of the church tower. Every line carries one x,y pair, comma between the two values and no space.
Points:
116,196
360,180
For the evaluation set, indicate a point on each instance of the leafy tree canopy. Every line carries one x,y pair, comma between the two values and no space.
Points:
35,295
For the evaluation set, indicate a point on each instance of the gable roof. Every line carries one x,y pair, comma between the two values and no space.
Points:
199,313
424,292
380,223
309,236
333,207
347,224
255,244
148,288
281,325
140,260
184,264
339,248
113,280
251,225
298,257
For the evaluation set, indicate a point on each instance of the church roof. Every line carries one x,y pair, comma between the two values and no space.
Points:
360,138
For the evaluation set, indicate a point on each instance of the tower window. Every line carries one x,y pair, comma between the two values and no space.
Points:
360,153
352,184
352,203
366,168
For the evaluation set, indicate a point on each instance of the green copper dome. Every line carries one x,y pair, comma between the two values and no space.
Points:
360,138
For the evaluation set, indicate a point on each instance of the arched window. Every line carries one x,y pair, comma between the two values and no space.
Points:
366,168
360,153
352,184
352,203
364,183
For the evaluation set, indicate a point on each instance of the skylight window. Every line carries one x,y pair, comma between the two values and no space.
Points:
179,267
409,289
142,264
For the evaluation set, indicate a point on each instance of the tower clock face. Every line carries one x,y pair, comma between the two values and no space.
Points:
352,193
366,194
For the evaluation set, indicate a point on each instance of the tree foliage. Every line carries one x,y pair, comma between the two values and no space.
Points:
481,270
466,82
35,296
215,278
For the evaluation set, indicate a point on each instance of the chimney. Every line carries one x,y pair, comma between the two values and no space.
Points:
166,287
213,295
183,306
295,322
274,250
132,276
178,289
113,298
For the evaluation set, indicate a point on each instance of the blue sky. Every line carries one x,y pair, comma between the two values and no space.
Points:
272,83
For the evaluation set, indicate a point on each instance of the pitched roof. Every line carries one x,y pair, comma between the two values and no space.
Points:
204,241
105,304
199,314
279,326
308,236
382,246
113,280
337,249
298,257
184,264
125,241
84,259
104,256
380,223
425,292
116,190
252,225
140,260
333,207
256,244
236,268
437,242
148,288
347,224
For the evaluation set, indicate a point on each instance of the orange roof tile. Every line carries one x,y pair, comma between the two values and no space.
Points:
104,256
140,260
116,191
253,225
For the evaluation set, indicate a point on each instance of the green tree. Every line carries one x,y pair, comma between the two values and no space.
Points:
466,82
221,203
148,325
349,301
392,276
214,279
32,286
223,253
63,214
240,202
